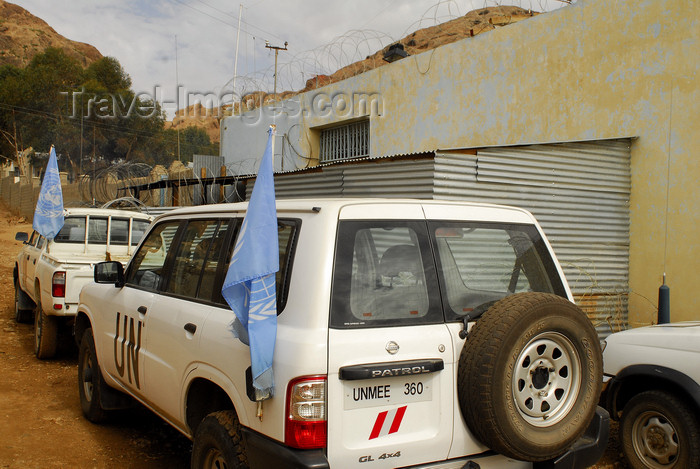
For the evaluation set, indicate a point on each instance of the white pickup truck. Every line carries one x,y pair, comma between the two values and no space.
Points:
49,274
410,333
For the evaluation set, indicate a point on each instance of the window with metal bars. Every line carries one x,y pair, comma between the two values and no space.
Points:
345,142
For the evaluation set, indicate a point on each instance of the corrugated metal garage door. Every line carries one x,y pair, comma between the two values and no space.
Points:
579,192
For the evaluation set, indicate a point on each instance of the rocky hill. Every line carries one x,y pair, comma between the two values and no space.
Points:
473,23
23,35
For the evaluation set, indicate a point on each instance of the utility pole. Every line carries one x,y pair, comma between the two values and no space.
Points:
277,49
94,170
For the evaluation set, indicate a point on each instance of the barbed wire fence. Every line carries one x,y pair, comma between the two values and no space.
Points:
358,45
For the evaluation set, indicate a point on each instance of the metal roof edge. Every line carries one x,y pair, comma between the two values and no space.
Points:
476,147
423,154
349,161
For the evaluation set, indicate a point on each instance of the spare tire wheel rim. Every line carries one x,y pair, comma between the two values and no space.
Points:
546,379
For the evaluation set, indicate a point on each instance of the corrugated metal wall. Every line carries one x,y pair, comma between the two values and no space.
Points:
321,184
370,178
579,192
392,179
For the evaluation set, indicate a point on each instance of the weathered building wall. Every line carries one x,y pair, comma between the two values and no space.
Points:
593,70
246,138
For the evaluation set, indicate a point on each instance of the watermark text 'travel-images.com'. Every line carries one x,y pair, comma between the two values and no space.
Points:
142,104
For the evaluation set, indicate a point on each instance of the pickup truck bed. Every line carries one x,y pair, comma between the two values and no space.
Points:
49,274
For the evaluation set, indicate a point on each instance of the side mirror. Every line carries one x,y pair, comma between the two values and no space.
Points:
22,236
110,272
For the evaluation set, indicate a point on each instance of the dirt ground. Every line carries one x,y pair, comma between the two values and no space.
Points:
41,424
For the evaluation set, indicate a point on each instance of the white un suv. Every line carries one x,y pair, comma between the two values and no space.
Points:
410,334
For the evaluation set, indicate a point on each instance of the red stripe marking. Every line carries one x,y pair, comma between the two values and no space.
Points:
378,425
397,419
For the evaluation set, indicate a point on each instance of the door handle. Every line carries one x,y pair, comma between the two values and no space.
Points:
191,328
142,309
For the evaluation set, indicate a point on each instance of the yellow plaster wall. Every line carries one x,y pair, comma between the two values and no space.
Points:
593,70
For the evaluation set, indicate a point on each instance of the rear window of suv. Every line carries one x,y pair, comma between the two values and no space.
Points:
385,273
481,263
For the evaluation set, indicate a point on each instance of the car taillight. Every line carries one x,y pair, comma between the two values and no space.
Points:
58,285
306,413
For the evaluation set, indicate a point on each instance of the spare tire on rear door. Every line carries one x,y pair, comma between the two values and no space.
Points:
530,375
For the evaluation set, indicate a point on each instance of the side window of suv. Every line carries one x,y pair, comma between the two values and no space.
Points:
384,275
197,258
146,268
200,258
287,231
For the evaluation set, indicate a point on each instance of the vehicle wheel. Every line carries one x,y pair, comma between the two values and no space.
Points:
90,381
45,333
21,315
658,431
218,443
530,375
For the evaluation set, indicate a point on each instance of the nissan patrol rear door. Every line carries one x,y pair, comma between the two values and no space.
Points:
390,371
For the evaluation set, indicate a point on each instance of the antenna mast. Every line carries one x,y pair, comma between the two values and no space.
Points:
177,90
235,63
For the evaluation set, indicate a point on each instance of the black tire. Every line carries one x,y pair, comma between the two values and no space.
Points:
530,375
90,381
218,443
45,333
21,315
659,431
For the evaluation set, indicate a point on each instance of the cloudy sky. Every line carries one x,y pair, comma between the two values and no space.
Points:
322,36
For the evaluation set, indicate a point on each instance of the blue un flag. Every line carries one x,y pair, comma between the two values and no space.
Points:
48,214
249,287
